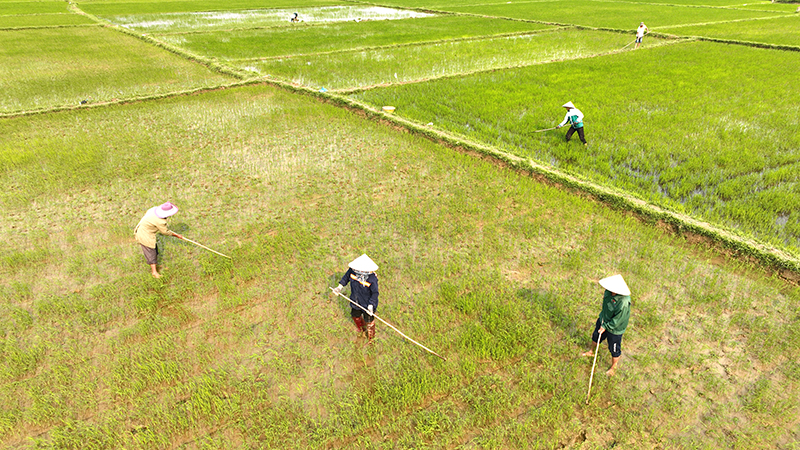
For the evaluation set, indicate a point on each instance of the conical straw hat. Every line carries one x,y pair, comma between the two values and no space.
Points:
568,105
363,264
615,284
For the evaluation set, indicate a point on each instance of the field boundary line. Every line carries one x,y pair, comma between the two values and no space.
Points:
355,90
723,239
690,6
135,99
784,16
403,45
764,45
44,27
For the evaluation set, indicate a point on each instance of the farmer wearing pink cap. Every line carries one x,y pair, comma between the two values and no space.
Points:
154,222
613,319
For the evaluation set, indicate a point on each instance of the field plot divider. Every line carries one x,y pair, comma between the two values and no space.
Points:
406,45
778,13
767,256
47,27
726,21
791,48
143,98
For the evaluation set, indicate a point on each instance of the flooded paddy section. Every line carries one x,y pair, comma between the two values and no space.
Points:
217,20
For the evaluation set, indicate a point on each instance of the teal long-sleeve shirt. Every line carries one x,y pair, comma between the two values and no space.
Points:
616,312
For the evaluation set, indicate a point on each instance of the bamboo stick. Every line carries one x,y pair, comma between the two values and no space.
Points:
387,324
203,246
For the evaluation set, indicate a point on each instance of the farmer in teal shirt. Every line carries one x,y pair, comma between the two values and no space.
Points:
613,319
575,118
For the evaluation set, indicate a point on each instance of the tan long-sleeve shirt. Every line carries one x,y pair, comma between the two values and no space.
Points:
145,231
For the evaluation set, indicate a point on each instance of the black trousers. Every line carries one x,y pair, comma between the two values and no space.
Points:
572,130
614,340
359,313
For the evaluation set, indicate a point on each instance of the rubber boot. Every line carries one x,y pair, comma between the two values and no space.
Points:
370,331
359,325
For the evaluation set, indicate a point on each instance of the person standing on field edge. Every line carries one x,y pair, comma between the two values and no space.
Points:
154,222
364,292
640,32
613,319
575,118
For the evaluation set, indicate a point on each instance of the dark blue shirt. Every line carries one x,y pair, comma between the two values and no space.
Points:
364,293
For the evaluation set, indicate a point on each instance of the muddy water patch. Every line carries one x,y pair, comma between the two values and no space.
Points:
211,20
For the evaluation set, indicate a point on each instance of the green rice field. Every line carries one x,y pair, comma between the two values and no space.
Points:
42,20
29,8
619,15
364,68
55,67
778,31
725,125
489,235
350,36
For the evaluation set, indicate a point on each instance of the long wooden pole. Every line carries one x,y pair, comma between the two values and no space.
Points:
629,43
387,324
592,375
546,129
203,246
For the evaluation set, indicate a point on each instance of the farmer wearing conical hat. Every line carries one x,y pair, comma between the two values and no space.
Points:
154,222
363,291
575,118
613,319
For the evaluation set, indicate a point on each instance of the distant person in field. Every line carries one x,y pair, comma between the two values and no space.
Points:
575,118
640,32
295,18
364,292
154,222
613,319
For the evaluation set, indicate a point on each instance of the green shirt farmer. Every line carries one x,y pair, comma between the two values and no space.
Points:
613,319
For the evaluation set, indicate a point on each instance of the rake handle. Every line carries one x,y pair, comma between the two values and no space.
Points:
203,246
595,362
387,324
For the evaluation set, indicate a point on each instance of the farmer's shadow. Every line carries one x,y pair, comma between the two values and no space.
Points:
553,306
163,241
179,227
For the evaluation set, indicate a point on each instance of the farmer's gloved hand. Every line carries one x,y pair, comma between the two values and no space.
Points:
558,126
338,289
369,310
